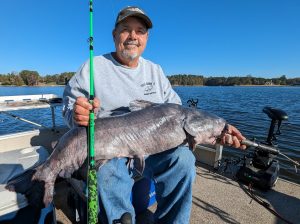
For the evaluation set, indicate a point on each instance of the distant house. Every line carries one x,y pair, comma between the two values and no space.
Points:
269,83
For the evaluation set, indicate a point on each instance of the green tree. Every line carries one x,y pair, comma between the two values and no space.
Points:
18,81
49,79
184,80
282,80
30,78
64,77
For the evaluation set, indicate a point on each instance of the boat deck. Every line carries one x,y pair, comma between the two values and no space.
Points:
218,198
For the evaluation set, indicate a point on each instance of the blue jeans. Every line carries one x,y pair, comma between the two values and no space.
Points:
173,172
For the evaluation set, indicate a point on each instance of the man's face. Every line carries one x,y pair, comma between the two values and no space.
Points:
130,38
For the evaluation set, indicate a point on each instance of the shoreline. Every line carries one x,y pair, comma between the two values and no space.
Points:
238,86
31,86
172,85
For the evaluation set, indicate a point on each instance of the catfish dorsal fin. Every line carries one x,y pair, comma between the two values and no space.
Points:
140,104
103,113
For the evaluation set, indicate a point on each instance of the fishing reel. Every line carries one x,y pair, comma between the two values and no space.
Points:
261,168
192,103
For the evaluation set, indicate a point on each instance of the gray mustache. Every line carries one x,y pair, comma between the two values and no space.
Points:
131,43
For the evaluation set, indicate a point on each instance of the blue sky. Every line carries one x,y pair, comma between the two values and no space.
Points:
201,37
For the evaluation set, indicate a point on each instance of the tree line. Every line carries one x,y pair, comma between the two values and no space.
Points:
192,80
33,78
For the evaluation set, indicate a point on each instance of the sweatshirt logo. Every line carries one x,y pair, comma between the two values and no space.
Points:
149,88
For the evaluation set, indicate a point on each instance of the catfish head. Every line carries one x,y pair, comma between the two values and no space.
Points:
202,127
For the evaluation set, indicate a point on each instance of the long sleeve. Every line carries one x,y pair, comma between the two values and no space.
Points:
77,86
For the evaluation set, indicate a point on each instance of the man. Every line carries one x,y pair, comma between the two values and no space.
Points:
120,77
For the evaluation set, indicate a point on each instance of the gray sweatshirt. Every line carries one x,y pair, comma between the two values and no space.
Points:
116,85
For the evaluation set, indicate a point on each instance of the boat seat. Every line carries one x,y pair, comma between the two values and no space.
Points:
13,163
275,114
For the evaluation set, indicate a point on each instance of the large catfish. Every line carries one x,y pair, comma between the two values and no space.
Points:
148,129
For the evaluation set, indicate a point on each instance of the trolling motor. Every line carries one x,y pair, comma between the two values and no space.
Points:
261,167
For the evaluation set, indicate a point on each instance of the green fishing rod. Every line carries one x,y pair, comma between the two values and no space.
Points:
92,172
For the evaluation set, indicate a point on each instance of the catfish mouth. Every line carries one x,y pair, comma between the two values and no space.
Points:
219,130
205,138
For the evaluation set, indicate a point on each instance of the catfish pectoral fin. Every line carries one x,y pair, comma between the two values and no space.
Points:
191,142
22,182
32,189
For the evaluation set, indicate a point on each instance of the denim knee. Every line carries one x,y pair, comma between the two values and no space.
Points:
113,172
114,186
174,175
185,160
178,161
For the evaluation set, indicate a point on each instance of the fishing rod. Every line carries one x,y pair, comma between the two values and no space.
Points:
268,149
23,119
92,172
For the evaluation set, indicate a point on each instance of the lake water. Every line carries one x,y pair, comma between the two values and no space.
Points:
240,106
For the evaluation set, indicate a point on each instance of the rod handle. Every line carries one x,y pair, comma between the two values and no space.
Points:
259,146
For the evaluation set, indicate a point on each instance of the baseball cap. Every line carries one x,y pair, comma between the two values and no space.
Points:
133,11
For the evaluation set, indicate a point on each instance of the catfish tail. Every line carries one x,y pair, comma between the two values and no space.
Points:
33,189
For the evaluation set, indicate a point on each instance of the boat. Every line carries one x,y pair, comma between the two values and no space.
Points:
217,196
22,150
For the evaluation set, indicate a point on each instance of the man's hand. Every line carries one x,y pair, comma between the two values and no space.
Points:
233,137
81,110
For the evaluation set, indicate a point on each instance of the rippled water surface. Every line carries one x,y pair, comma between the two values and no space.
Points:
240,106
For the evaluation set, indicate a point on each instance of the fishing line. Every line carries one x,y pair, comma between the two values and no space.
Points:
265,204
293,161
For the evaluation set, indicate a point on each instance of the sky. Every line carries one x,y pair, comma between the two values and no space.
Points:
260,38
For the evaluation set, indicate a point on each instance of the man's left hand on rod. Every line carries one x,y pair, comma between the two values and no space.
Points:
81,110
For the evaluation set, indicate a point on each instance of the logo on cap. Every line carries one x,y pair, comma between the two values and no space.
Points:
135,10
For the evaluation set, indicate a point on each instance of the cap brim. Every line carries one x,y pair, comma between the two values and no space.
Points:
145,18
